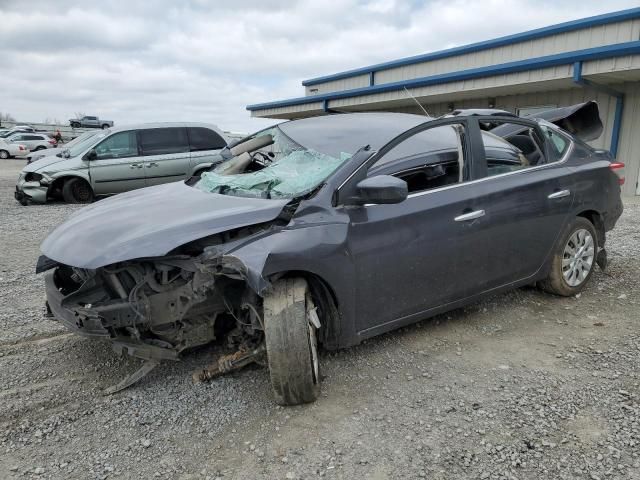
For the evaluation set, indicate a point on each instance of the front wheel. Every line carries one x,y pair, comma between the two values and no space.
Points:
105,126
291,341
75,125
76,190
573,260
38,148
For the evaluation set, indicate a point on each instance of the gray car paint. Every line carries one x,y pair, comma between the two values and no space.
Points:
373,258
150,222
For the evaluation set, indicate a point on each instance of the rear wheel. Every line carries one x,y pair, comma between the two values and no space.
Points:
76,190
4,154
291,341
40,147
105,126
573,260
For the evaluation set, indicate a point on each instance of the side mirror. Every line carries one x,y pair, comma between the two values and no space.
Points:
381,189
90,155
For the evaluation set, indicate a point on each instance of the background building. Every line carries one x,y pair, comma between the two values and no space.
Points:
595,58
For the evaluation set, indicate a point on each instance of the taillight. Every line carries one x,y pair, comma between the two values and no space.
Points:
20,147
52,141
618,169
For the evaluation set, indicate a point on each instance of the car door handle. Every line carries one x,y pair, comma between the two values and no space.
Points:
135,165
469,216
560,194
152,164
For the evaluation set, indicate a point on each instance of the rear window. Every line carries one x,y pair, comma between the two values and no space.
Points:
160,141
202,138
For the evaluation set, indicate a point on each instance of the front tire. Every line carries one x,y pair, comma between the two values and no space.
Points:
574,259
105,126
291,341
38,148
75,125
76,190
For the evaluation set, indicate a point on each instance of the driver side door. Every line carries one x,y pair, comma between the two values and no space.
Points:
117,166
419,254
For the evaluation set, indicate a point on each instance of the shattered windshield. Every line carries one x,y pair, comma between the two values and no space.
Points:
278,168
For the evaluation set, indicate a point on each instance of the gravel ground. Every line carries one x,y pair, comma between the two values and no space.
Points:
521,386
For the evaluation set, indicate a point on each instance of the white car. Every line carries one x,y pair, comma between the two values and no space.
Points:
33,141
8,150
37,155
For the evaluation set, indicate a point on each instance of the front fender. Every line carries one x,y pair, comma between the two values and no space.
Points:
320,250
68,173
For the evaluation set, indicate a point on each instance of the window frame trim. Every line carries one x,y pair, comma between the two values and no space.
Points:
193,127
562,160
98,159
141,131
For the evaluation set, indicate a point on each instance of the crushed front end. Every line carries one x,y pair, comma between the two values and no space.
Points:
156,308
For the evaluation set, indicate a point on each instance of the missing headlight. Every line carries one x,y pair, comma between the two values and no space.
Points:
32,177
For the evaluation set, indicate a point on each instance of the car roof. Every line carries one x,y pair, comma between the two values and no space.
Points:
144,126
350,131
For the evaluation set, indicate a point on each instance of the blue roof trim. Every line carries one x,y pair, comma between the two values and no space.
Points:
604,19
595,53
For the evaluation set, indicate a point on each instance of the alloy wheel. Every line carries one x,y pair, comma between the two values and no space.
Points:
578,257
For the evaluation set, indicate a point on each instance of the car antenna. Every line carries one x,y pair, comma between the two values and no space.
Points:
415,100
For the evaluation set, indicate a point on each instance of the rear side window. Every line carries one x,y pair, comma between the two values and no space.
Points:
202,138
160,141
558,144
510,147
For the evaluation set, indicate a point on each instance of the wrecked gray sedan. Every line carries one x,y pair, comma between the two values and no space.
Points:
330,230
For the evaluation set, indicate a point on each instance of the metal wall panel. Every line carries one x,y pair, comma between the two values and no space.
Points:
578,40
338,85
298,111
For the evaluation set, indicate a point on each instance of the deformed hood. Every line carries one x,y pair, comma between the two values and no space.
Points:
50,159
151,222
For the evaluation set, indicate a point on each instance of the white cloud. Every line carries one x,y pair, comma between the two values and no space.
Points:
206,60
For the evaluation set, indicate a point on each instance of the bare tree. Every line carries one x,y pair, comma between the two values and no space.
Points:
6,117
79,114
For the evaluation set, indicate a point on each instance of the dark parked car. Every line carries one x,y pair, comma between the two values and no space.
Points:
334,229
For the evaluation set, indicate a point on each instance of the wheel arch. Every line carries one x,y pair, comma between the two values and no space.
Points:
326,299
59,181
598,223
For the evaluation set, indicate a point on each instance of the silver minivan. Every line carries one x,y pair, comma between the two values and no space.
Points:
120,159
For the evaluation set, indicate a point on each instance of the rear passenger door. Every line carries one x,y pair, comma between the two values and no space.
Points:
165,152
22,140
526,196
205,144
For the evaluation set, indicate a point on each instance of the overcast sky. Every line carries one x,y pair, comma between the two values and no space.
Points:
202,60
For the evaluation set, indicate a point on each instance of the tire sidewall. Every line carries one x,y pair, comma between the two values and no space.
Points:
558,283
68,193
288,341
4,155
